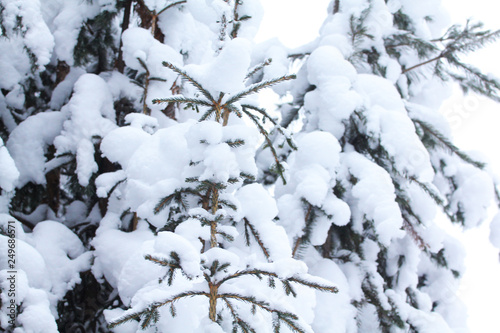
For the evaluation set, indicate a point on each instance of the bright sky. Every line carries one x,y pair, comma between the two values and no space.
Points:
475,128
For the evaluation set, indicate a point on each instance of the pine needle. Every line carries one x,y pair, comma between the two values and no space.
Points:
181,99
257,87
185,76
448,144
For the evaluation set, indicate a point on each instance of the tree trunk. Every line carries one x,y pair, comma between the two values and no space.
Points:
213,301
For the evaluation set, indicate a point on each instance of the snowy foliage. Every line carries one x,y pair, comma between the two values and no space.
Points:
151,193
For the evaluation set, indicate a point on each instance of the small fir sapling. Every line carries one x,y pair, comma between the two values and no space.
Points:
220,160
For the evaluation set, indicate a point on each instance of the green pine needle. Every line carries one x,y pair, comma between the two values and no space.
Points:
257,87
181,99
188,78
259,67
448,144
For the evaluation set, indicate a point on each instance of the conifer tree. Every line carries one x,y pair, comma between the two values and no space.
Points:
151,192
375,162
206,221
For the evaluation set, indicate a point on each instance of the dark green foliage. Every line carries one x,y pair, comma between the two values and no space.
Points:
2,27
81,310
28,198
95,44
403,21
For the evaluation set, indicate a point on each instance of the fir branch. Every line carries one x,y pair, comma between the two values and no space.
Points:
475,80
253,272
414,235
468,39
288,289
278,127
295,56
300,239
154,78
314,285
287,317
163,262
225,235
173,312
134,315
248,299
358,28
143,65
433,194
261,111
245,327
448,144
258,68
257,87
164,203
235,110
457,42
223,267
186,76
207,114
247,176
171,5
124,319
255,234
145,86
228,204
270,144
497,194
289,320
235,143
259,273
116,186
406,70
149,318
424,48
181,99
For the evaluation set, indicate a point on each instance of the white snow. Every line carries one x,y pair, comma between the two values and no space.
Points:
63,253
113,248
9,173
376,198
91,116
28,144
260,209
226,72
387,119
48,264
168,242
495,231
66,21
120,144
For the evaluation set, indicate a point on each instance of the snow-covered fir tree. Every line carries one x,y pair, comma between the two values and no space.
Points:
375,165
152,193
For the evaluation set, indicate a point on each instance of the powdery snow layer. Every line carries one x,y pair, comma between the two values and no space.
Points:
192,209
48,264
